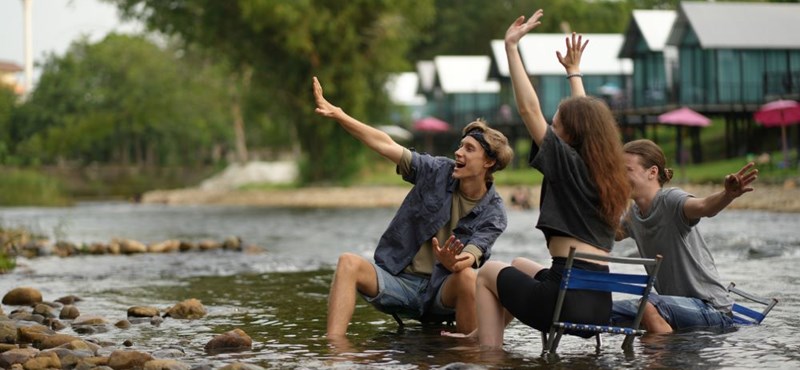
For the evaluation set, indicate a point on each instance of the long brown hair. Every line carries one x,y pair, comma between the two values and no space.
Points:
650,154
589,126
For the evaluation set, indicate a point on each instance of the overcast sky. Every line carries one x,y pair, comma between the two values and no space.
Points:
56,23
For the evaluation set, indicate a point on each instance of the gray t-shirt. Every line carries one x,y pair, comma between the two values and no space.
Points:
688,269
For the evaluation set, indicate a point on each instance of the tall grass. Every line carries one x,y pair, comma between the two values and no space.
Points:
20,187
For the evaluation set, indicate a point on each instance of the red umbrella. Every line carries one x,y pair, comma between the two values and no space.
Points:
684,117
431,124
779,113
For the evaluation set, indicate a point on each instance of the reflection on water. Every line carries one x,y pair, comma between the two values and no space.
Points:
279,297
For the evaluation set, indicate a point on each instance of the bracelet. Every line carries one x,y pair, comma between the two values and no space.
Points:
571,75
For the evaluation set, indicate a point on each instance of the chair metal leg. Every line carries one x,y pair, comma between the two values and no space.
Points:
544,342
399,321
598,342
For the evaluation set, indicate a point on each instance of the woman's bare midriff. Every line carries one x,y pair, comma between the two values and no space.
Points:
559,247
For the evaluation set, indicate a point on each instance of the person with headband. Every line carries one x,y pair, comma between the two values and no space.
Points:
584,193
663,221
425,261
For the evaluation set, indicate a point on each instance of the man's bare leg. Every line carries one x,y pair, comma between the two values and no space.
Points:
353,274
458,291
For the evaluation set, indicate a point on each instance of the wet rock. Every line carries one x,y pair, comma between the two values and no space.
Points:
167,246
156,320
165,365
8,332
70,299
44,310
17,356
129,246
22,296
69,312
123,324
89,320
232,341
241,366
33,333
65,249
42,361
94,363
57,325
55,340
127,343
233,243
97,248
7,347
143,311
169,353
122,360
188,309
187,246
207,245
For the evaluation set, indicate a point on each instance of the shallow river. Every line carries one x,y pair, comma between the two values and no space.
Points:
279,296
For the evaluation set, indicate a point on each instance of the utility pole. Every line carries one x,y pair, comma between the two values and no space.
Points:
26,12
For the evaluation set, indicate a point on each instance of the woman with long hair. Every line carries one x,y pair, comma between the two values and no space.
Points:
584,193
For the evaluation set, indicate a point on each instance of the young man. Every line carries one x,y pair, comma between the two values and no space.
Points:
446,226
662,221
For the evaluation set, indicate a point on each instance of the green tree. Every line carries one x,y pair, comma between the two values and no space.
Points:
123,100
7,103
350,45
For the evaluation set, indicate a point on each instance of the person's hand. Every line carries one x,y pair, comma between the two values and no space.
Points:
520,27
324,108
572,60
449,255
738,183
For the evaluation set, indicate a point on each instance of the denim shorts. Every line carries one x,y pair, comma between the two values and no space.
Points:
682,313
404,295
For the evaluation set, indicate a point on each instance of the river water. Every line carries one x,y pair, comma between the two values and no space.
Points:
279,296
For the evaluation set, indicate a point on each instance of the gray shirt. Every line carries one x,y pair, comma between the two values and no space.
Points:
688,269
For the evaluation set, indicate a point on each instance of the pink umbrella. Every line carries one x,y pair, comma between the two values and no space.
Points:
779,113
684,117
431,124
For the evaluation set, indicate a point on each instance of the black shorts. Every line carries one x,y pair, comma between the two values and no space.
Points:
532,299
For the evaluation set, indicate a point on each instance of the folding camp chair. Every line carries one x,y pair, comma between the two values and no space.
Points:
743,315
635,284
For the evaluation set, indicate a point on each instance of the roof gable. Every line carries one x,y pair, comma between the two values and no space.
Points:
462,74
739,25
538,52
651,26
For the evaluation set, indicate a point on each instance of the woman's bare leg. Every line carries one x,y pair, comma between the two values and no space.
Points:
492,314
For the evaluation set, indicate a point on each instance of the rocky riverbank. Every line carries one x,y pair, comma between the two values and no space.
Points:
778,198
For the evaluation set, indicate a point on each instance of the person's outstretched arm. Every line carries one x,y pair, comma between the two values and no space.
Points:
524,94
572,63
375,139
736,184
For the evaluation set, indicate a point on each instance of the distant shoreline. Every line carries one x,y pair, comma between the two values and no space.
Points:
765,197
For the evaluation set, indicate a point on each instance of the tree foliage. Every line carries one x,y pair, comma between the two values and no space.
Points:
122,100
350,45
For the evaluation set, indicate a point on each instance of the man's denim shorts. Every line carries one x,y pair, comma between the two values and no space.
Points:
682,313
404,295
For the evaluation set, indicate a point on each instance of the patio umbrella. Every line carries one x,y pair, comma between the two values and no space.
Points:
428,126
683,117
431,124
779,113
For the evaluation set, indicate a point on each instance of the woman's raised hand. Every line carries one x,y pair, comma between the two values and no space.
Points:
572,60
520,27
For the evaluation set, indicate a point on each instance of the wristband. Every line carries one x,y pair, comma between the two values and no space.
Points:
571,75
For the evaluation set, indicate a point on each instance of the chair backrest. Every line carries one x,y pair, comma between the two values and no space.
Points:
744,315
636,284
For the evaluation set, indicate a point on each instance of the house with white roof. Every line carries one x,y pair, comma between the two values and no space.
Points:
653,60
604,72
732,53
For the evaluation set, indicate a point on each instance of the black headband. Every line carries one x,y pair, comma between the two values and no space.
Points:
478,135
